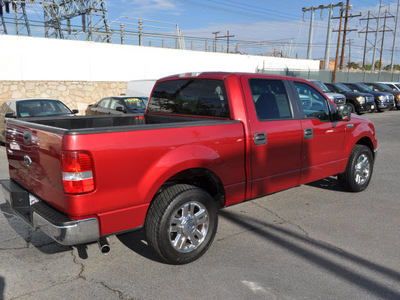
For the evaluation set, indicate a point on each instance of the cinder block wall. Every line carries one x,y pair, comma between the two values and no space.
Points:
75,94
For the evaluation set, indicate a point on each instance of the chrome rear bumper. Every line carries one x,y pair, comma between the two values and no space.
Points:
53,223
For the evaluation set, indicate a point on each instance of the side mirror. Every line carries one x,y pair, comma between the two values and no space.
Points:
120,108
343,113
75,111
10,115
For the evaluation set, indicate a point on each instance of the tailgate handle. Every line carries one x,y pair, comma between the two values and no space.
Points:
260,138
27,137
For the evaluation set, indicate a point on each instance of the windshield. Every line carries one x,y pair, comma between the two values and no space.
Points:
341,88
40,108
321,86
136,103
359,87
383,87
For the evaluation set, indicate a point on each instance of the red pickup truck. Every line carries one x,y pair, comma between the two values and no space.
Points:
206,141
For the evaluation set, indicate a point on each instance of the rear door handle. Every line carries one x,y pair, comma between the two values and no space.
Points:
260,138
308,133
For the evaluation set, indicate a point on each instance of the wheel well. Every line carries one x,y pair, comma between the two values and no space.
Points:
367,142
201,178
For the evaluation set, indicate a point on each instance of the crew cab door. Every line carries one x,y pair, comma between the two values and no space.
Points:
275,132
323,151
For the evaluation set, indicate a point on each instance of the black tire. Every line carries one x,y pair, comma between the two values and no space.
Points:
358,171
181,223
377,109
352,108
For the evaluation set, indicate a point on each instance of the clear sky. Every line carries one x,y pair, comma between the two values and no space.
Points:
278,21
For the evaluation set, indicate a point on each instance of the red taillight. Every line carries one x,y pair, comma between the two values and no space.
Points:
77,172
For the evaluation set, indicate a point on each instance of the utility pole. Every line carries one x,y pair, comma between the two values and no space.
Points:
350,41
328,34
338,44
383,38
366,37
344,33
345,30
310,35
376,37
215,40
328,38
394,38
227,36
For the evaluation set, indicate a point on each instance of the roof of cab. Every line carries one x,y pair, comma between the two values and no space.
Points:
223,75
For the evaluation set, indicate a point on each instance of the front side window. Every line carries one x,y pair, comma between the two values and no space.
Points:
270,99
314,104
115,103
200,97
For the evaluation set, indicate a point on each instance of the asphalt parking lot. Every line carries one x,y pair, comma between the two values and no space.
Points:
310,242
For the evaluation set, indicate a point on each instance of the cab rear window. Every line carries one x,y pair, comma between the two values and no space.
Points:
200,97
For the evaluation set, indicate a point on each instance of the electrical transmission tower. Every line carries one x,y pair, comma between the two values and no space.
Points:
63,19
60,20
21,23
368,29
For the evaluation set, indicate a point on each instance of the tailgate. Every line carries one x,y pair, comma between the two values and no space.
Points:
34,162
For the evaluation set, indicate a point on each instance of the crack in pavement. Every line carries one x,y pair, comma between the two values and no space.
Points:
83,277
282,219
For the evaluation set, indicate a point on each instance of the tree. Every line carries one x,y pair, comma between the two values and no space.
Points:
353,65
368,67
378,64
395,67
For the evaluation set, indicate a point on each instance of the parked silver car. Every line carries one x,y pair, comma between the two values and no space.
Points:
335,97
25,108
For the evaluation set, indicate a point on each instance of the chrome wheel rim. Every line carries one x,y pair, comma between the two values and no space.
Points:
362,170
188,226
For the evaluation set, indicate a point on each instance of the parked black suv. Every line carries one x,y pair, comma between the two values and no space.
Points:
381,87
358,102
383,101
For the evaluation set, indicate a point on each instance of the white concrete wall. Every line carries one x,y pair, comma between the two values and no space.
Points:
30,58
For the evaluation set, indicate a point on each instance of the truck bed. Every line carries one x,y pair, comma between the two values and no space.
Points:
110,123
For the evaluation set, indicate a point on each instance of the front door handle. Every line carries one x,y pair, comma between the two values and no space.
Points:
260,138
308,133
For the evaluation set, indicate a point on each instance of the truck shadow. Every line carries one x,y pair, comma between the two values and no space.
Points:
354,269
2,287
36,238
329,183
136,241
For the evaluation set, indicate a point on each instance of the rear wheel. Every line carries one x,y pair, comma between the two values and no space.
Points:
181,223
358,171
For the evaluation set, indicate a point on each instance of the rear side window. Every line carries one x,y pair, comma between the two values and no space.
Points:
270,99
201,97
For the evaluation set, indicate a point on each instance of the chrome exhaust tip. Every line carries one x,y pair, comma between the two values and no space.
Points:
104,245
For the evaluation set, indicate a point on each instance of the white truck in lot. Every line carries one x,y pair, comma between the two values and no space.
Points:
140,88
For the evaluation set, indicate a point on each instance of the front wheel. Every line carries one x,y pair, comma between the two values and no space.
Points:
181,223
352,108
358,171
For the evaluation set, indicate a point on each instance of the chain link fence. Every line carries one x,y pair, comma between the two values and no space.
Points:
341,76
